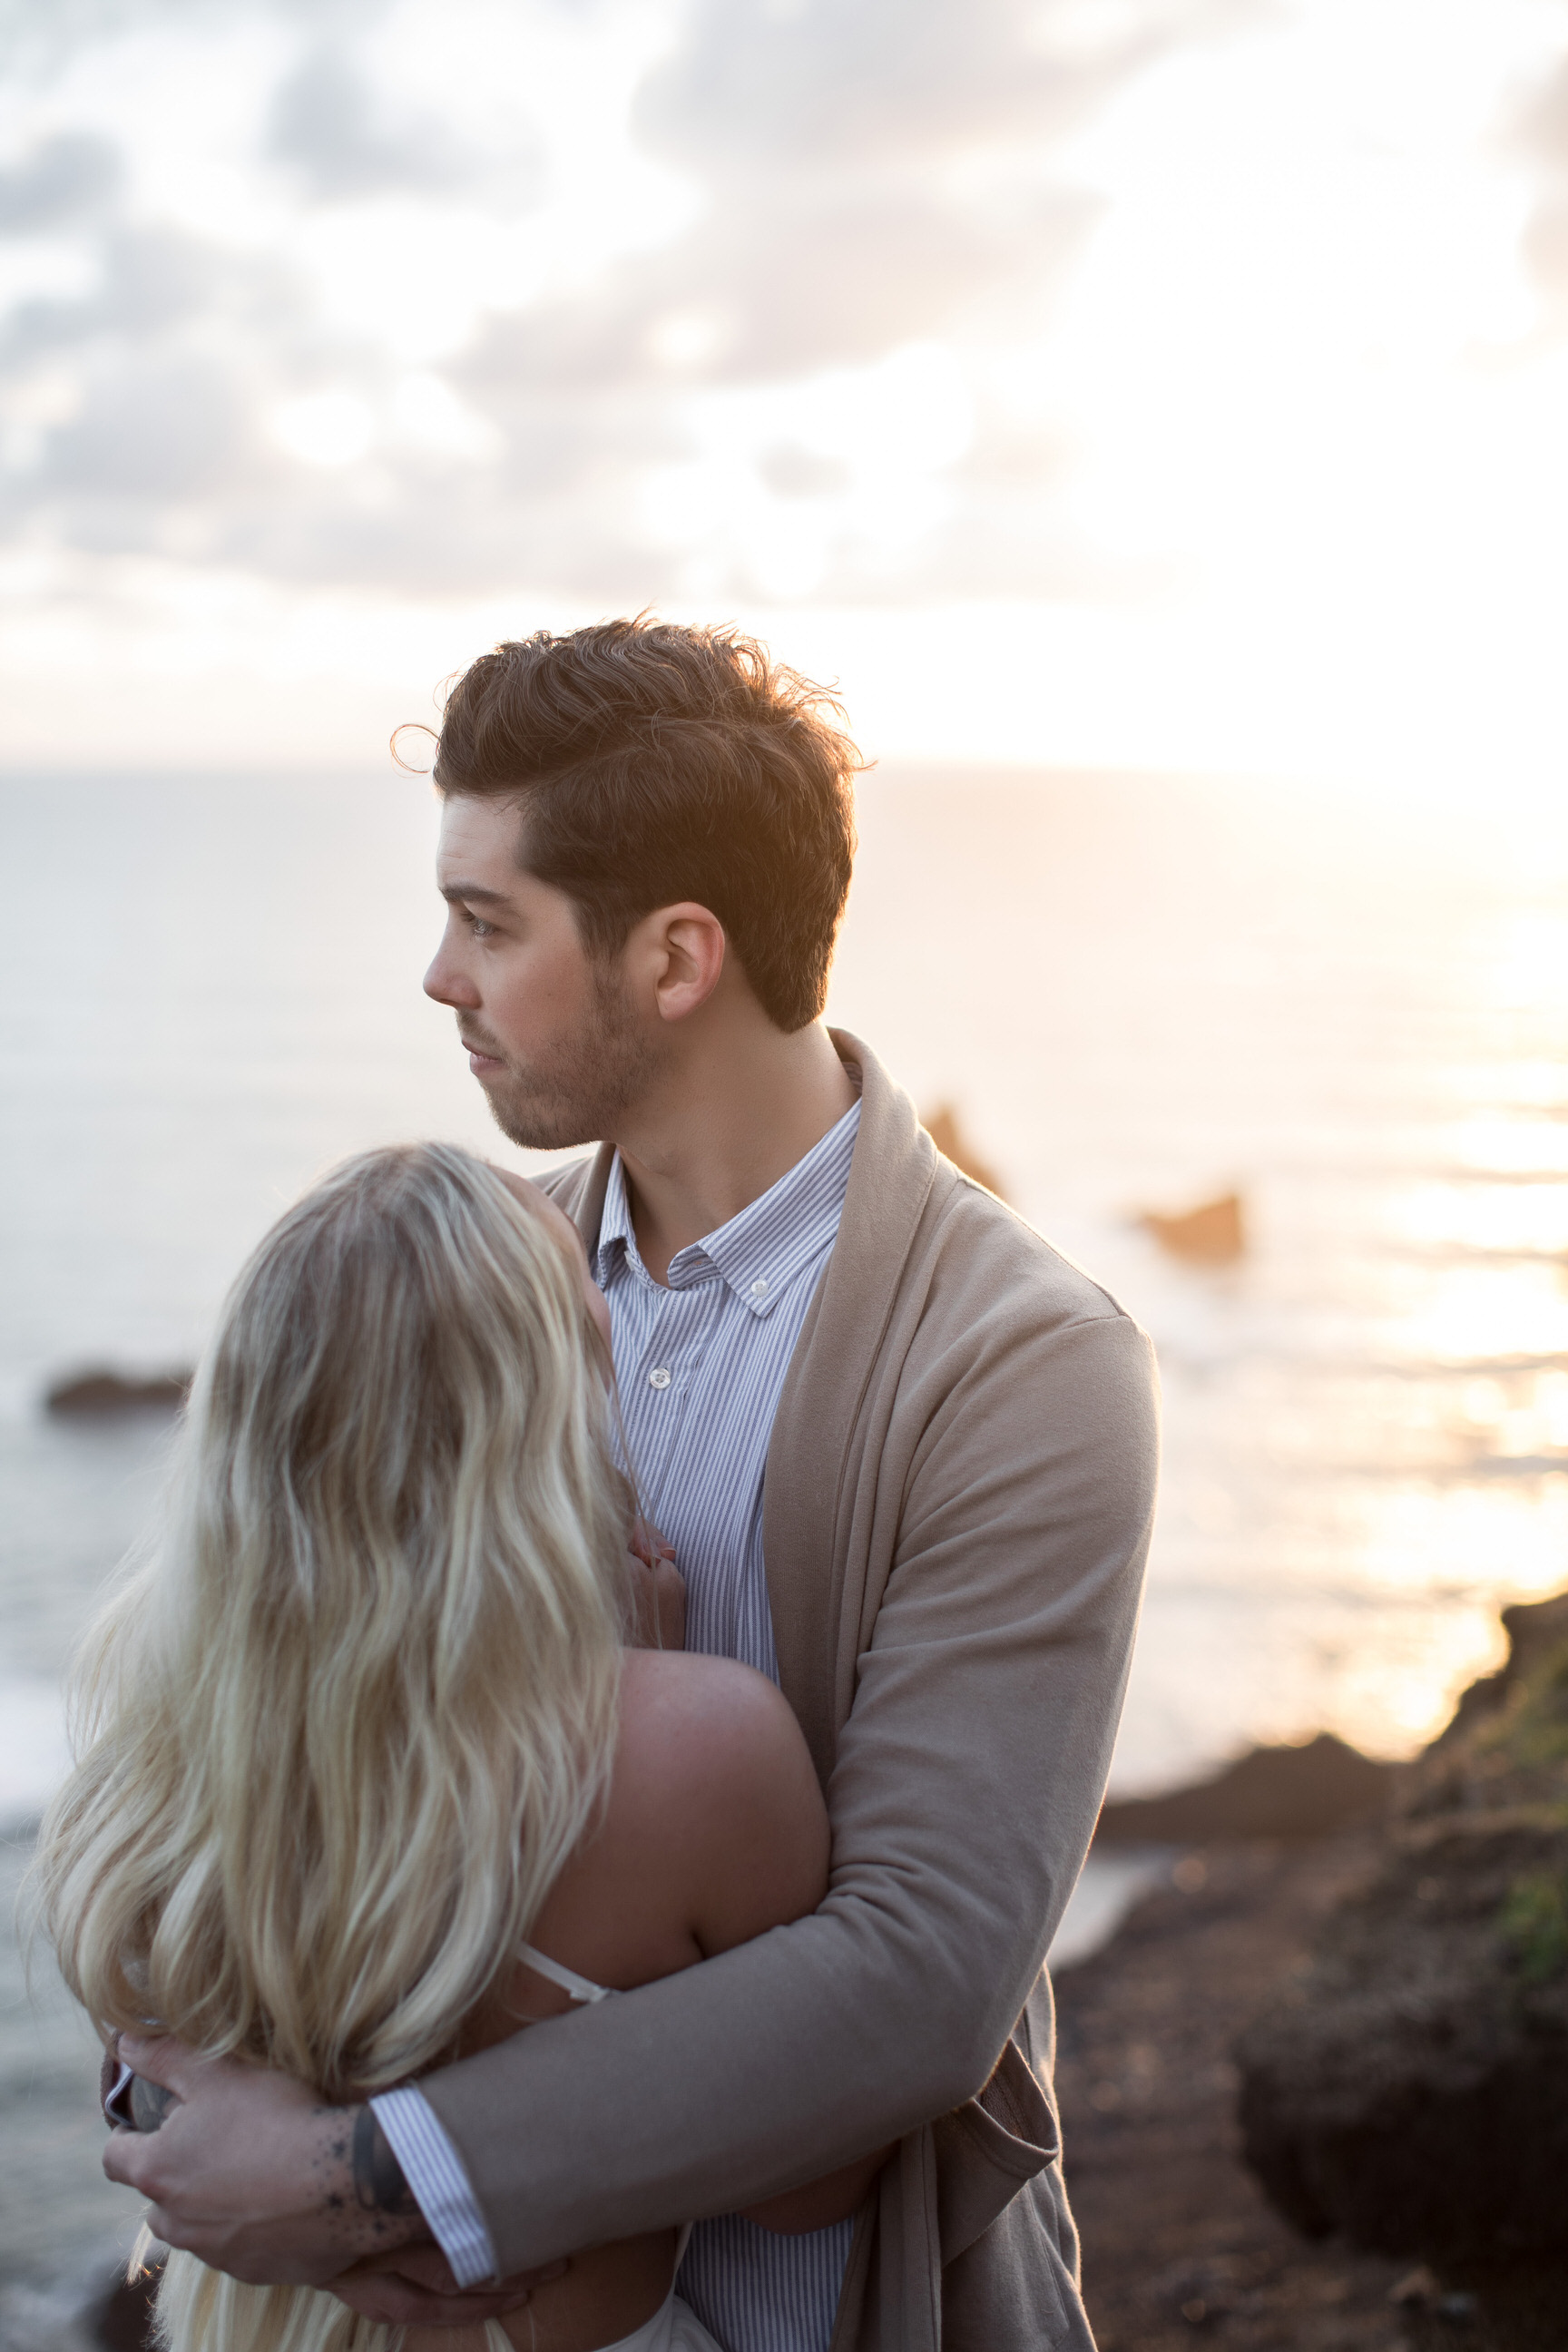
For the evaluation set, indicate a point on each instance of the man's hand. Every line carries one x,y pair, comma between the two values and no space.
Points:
415,2289
248,2170
659,1593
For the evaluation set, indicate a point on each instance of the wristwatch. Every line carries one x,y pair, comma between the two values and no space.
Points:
130,2103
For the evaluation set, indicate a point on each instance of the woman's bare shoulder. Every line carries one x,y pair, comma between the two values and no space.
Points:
713,1770
684,1715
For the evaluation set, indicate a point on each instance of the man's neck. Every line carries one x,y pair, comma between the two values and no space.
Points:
722,1130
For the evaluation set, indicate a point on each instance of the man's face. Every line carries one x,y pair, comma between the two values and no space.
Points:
552,1036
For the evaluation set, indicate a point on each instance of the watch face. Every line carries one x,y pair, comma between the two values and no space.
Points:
132,2103
149,2102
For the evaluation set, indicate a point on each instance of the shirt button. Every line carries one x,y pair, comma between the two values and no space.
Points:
759,1289
658,1379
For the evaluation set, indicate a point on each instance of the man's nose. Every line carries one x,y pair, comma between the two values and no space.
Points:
448,984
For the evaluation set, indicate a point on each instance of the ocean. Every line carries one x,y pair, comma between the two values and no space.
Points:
1136,994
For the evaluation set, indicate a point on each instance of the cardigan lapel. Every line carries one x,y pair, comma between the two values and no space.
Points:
894,1166
584,1203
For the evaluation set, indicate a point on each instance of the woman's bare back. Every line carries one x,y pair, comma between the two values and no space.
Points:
714,1832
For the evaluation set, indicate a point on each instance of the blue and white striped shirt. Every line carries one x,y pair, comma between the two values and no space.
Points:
700,1364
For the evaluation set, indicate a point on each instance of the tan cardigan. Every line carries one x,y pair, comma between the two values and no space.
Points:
959,1484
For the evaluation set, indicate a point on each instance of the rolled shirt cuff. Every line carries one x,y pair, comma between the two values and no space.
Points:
438,2182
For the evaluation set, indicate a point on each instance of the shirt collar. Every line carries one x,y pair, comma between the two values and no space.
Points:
758,1252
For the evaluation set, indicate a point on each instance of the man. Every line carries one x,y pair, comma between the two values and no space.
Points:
644,851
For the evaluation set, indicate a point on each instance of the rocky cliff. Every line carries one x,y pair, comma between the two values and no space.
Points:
1407,2087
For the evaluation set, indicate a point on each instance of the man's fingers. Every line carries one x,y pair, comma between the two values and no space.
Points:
128,2158
382,2296
670,1588
131,2157
427,2266
413,2294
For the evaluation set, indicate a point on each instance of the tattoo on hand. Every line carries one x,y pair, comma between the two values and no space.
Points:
379,2184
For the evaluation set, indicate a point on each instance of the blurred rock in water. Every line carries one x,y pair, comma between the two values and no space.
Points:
1213,1234
941,1126
102,1390
121,2319
105,2312
1304,1791
1408,2086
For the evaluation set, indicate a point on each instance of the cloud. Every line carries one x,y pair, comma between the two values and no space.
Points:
875,179
154,434
40,37
876,170
792,472
817,277
325,122
756,89
149,280
67,179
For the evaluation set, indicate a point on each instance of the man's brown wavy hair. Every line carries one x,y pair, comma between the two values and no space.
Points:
653,763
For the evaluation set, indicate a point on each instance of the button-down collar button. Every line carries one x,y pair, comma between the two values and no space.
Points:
658,1378
759,1289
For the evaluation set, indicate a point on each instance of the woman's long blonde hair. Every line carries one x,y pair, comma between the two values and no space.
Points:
340,1732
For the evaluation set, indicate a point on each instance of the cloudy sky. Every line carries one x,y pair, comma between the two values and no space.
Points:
1153,382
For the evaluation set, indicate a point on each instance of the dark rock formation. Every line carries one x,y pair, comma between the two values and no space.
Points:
1409,2084
1180,2246
1212,1234
121,2318
1272,1793
101,1392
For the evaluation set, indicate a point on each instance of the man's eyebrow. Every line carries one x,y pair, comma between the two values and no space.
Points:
466,892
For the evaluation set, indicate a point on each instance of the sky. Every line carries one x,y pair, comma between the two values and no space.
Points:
1134,383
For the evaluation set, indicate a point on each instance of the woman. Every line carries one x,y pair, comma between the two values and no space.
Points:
370,1779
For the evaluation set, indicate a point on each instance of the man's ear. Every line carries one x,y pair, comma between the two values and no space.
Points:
684,946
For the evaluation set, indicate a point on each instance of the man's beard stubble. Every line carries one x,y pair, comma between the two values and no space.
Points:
581,1090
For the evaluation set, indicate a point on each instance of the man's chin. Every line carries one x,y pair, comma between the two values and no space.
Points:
536,1126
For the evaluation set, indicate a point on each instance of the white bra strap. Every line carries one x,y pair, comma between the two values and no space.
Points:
578,1989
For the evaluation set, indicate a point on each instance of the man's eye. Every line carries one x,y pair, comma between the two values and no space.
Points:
478,928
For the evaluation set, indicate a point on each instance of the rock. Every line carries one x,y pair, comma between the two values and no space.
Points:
1408,2085
1272,1793
101,1392
1168,2215
941,1126
1412,2087
1212,1234
121,2318
1458,1767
